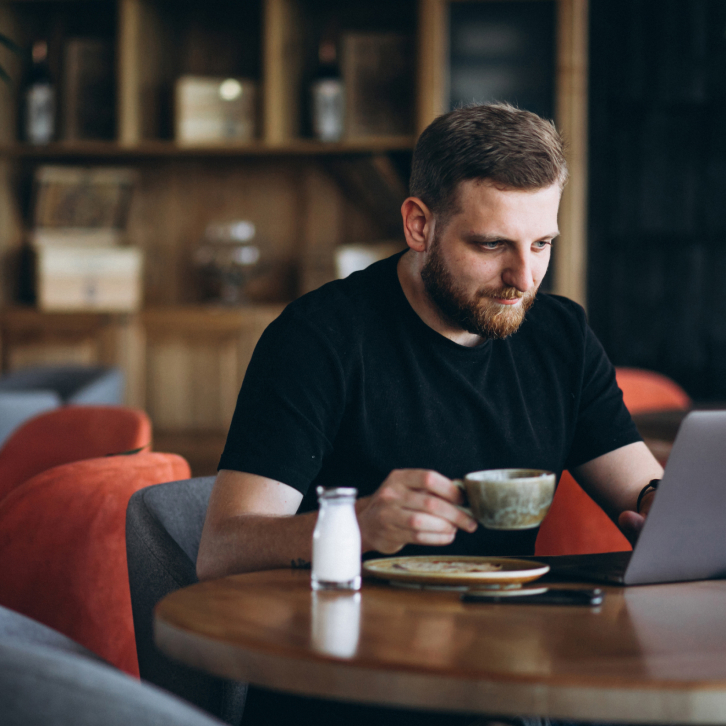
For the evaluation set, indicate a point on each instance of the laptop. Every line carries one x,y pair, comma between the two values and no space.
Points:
684,536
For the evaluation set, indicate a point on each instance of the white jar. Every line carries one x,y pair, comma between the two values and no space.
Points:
336,541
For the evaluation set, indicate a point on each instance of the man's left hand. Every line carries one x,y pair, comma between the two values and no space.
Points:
631,522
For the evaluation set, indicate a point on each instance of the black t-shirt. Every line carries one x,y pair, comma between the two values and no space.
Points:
349,384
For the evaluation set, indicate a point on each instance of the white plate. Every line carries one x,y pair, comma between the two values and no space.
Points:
508,570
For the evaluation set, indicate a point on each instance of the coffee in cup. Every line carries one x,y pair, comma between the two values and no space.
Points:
508,498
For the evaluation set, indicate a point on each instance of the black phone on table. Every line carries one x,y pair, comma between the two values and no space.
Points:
538,596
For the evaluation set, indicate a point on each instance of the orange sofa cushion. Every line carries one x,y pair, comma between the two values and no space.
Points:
70,434
575,524
63,548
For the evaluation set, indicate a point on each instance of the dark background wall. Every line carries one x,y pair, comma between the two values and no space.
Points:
657,207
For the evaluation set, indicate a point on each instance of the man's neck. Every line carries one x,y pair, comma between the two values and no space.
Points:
409,275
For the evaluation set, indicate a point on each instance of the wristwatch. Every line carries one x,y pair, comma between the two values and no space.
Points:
651,485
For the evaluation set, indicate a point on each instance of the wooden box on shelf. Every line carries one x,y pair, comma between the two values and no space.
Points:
73,278
214,110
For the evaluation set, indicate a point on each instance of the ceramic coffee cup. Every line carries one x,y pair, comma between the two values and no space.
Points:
508,498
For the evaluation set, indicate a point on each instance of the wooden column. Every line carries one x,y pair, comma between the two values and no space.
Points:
570,261
282,64
433,61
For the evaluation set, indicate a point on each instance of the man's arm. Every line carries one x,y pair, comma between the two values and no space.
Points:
250,523
614,481
250,526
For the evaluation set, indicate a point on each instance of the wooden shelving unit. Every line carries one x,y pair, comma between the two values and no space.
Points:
169,149
305,197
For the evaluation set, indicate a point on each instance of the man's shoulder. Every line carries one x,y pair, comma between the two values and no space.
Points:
341,307
353,295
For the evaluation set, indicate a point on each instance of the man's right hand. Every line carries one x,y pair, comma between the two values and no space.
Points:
412,506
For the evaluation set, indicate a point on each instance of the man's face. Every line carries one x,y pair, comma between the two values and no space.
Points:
483,269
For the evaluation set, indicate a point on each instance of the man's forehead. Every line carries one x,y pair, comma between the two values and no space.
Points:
477,194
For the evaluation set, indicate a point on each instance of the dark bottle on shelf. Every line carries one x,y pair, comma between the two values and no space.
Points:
328,100
40,102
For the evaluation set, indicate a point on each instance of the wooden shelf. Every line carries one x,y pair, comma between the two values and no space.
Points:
169,149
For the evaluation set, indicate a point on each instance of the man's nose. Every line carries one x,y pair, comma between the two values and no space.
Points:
518,271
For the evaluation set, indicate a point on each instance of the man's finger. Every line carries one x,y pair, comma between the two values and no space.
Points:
631,523
436,506
435,483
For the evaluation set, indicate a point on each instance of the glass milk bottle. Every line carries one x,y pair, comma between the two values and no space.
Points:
336,541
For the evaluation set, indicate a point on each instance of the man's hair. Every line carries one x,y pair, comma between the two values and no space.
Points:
510,147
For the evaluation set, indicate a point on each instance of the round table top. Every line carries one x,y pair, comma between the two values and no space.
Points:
648,654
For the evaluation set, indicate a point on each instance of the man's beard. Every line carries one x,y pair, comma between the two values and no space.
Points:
476,313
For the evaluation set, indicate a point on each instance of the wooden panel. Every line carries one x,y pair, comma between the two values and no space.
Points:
124,345
570,259
196,360
68,352
144,53
176,200
202,449
31,338
321,226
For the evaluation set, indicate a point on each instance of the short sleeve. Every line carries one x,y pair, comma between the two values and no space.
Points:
603,422
289,407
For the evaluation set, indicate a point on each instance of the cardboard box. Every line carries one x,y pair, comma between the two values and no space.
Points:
82,197
75,236
81,278
214,110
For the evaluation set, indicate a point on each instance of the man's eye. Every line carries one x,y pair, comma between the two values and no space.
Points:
489,245
542,244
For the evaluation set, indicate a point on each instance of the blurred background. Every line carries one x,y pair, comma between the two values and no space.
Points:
172,173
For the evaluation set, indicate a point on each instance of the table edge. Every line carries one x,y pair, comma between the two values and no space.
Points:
352,682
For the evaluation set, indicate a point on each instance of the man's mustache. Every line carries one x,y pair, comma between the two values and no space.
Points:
503,293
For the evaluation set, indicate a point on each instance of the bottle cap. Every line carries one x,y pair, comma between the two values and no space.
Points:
336,492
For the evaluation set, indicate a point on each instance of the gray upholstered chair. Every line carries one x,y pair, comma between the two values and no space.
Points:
41,685
163,528
17,629
31,391
47,678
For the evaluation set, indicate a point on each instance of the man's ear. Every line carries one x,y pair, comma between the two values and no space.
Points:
418,222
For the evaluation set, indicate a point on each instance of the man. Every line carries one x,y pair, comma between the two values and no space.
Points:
429,365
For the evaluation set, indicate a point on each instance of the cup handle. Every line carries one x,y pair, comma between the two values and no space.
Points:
467,510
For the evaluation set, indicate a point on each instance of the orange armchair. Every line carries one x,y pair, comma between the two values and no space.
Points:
70,434
575,524
63,548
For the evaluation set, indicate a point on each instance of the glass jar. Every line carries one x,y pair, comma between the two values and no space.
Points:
228,259
336,541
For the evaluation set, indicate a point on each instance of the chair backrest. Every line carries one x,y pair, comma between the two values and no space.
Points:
163,528
41,686
16,407
645,391
63,548
575,523
70,433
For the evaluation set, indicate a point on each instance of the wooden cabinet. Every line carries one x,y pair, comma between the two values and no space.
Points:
305,197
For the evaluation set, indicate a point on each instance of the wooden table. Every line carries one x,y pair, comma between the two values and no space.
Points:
648,654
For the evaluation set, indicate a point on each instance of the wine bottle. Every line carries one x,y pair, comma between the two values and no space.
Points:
327,92
40,108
